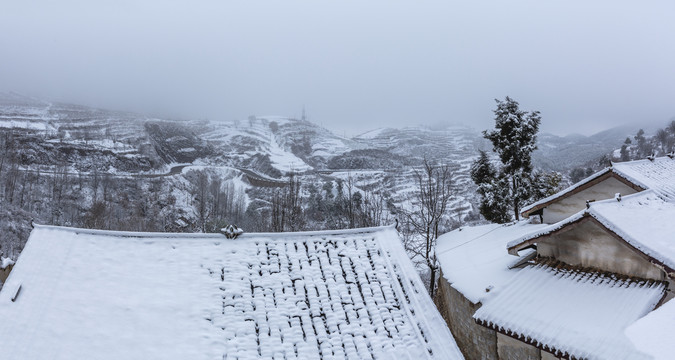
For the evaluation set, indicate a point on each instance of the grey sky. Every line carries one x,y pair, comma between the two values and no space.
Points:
355,65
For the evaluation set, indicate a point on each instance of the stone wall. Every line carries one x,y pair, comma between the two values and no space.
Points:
509,348
475,341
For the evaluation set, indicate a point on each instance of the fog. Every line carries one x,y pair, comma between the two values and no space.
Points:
354,65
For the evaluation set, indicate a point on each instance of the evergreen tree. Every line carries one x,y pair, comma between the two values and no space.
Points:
482,170
671,127
644,148
577,174
494,205
514,139
665,140
545,184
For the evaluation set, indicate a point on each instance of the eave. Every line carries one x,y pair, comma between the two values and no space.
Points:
586,217
599,177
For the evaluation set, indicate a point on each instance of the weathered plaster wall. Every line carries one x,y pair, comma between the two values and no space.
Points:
566,207
509,348
475,341
589,245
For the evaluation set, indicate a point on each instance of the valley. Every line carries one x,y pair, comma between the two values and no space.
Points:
71,165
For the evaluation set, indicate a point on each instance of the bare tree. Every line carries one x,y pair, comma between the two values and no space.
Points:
430,203
350,200
200,193
287,207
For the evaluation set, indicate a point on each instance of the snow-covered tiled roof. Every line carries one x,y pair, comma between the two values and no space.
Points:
570,312
643,220
474,259
653,334
657,174
83,294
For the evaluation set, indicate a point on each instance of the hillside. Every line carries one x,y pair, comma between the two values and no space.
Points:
72,165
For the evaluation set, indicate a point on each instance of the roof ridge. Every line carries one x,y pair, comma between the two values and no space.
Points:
136,234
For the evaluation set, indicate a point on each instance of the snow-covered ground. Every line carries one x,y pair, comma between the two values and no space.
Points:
285,160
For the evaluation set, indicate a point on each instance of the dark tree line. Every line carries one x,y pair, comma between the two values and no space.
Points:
641,146
63,195
326,204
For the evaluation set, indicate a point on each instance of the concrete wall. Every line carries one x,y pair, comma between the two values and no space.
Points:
475,341
571,205
590,245
548,356
509,348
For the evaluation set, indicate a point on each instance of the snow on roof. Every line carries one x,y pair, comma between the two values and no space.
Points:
545,230
474,259
571,312
657,174
643,220
120,295
5,262
653,334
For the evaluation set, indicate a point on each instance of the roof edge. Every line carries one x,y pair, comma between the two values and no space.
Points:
323,232
516,245
584,215
521,337
631,243
574,188
610,172
220,236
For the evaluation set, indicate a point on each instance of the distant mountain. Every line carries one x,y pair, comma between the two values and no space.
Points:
275,144
86,139
564,153
74,165
272,145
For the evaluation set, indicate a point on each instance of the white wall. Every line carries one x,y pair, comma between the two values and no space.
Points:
590,245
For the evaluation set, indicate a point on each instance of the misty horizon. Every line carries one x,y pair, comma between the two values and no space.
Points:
354,67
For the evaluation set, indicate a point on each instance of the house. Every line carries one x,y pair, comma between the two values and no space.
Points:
474,266
620,178
90,294
600,257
